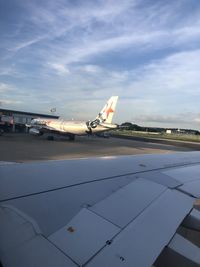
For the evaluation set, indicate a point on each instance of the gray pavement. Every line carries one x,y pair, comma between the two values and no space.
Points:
25,147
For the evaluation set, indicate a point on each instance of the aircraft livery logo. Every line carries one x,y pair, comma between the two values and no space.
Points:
108,110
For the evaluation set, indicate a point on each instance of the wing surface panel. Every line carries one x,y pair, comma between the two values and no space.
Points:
192,188
39,252
128,202
22,243
84,236
185,174
52,210
40,177
140,243
160,178
189,177
145,198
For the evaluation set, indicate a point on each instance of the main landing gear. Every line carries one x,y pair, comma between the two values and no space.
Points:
71,137
50,138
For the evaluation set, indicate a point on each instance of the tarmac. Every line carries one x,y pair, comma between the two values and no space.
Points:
20,147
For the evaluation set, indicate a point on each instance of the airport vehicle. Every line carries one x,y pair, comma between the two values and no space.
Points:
108,211
102,123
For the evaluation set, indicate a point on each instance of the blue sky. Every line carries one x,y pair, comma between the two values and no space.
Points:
73,55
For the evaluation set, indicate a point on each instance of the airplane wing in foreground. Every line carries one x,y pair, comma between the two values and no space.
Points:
110,211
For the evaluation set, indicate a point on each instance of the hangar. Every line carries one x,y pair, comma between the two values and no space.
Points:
15,121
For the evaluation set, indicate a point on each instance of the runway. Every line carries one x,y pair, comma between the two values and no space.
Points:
25,148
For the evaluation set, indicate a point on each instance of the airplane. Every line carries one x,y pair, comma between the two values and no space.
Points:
121,211
102,123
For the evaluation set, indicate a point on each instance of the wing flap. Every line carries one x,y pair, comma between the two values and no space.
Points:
192,188
84,236
140,243
185,174
128,202
179,252
189,176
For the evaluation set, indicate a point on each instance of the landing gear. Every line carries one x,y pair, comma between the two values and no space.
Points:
71,137
89,131
50,137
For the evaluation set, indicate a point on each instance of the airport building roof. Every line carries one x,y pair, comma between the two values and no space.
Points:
2,110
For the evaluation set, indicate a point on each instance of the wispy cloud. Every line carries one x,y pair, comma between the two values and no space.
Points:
90,68
147,52
180,120
94,28
59,68
25,44
9,102
5,87
175,74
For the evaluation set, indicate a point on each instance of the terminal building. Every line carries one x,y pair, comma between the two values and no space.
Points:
15,121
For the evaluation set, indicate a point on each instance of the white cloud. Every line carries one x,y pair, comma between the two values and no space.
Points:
26,44
123,26
197,119
91,68
60,69
95,28
6,71
9,101
180,120
59,19
176,74
77,49
5,87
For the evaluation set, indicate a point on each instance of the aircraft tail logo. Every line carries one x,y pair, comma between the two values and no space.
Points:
108,110
106,114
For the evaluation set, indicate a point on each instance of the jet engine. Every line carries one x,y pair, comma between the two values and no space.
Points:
35,131
93,124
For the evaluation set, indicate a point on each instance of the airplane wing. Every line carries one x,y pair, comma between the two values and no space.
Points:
109,211
39,130
46,128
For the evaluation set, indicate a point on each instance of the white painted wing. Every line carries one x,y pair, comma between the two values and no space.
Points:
107,211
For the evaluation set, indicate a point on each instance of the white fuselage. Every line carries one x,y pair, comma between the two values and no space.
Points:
69,127
74,127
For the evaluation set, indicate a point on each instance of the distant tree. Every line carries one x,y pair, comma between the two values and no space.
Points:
131,126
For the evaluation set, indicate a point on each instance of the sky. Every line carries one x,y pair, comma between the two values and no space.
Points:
74,55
